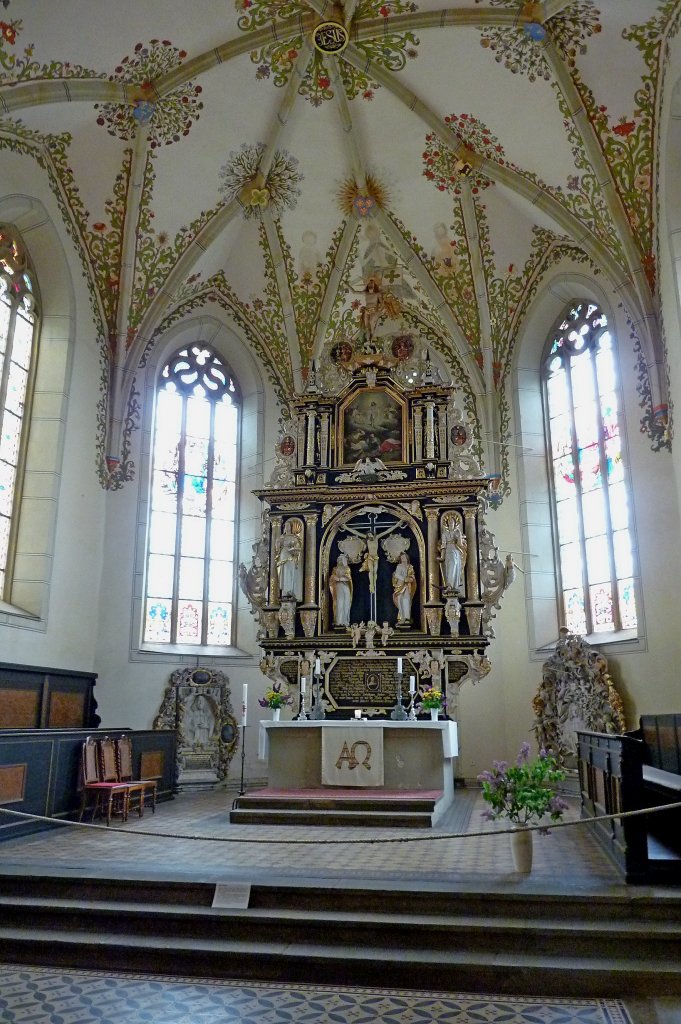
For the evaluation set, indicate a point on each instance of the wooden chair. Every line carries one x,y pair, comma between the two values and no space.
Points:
124,756
110,790
110,772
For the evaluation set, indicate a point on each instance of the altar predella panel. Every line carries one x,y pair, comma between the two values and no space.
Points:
374,545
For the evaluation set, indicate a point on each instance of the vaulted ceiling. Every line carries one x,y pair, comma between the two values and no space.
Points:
202,153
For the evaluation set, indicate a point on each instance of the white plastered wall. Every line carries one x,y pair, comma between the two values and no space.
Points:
496,715
51,620
132,679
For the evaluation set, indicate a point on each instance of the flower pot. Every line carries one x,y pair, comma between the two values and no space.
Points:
521,849
434,712
275,714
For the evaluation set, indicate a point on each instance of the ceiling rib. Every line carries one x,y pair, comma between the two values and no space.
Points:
284,290
507,177
350,229
70,90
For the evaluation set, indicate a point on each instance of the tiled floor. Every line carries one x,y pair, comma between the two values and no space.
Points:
191,837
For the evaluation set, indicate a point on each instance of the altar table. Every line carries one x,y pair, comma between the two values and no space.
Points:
416,755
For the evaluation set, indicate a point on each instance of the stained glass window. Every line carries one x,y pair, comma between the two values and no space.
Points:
18,334
590,498
190,551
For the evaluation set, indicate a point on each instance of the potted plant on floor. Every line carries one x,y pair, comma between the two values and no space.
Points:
275,700
525,794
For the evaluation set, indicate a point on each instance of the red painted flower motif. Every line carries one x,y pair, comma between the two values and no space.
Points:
323,82
368,94
99,226
292,54
624,128
384,11
8,32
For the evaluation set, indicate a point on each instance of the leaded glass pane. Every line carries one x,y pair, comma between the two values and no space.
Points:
597,559
162,530
226,434
586,426
194,497
582,376
575,616
571,565
193,536
627,603
168,414
558,394
220,582
222,539
7,474
157,621
564,478
189,616
16,389
219,623
624,559
590,467
593,508
166,453
619,506
198,418
10,436
613,458
164,492
605,365
191,578
160,575
196,456
601,607
224,498
561,437
568,519
4,326
22,341
609,415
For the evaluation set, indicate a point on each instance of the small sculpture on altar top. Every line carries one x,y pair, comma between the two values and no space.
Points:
340,586
369,634
289,550
453,554
386,632
404,588
356,629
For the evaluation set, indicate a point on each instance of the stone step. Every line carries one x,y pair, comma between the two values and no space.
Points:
331,818
451,969
331,803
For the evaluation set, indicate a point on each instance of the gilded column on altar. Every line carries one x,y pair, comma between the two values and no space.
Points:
472,578
433,565
310,583
430,430
311,427
275,534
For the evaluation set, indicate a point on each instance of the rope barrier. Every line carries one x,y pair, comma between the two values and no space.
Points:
376,841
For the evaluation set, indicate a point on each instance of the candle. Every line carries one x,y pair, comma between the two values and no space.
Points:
399,664
244,705
318,667
303,684
412,684
358,714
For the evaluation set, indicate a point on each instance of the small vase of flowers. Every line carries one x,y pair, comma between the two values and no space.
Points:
431,700
524,793
275,700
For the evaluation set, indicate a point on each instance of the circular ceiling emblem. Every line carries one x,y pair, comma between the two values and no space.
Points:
330,37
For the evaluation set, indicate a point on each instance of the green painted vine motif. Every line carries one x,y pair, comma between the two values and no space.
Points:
308,291
22,68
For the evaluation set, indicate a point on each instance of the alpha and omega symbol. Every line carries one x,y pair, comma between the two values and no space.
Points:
330,37
348,755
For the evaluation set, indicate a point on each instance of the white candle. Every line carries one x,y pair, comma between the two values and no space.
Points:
358,714
318,667
412,684
244,705
399,664
303,684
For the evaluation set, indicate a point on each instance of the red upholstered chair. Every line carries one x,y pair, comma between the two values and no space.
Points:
124,760
107,792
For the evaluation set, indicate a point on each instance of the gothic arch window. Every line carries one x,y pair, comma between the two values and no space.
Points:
589,494
18,343
190,589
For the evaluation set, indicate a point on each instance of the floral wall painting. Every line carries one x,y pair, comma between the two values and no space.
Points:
279,188
443,250
309,258
372,426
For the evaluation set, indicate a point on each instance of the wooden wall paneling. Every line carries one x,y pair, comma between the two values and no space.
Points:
12,783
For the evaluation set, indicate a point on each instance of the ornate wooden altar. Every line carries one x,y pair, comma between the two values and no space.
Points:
374,553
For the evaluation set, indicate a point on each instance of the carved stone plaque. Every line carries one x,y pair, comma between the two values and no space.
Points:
369,683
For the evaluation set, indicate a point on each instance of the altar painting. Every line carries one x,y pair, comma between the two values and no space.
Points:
372,426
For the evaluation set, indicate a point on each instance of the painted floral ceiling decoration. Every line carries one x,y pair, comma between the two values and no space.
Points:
457,158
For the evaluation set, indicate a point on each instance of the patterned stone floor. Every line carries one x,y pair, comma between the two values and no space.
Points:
36,995
165,845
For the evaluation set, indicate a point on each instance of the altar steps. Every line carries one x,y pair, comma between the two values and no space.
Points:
507,943
349,809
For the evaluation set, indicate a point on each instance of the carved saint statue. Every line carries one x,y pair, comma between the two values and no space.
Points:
453,551
340,585
289,550
200,721
404,588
